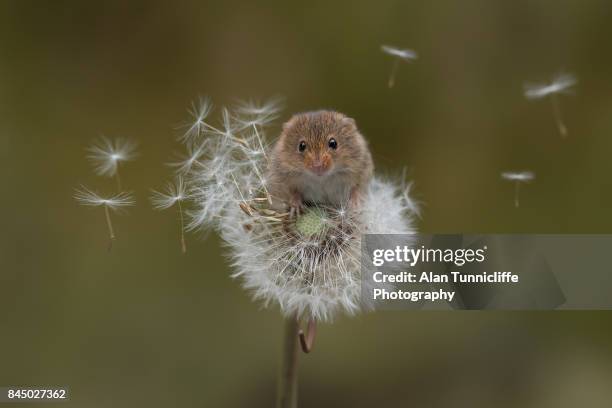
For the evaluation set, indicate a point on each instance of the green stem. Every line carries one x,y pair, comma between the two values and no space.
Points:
288,375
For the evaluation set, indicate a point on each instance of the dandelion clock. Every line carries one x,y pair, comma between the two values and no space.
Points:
304,259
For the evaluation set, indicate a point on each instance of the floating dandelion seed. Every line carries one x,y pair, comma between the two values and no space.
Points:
518,178
175,193
85,196
106,154
398,54
560,84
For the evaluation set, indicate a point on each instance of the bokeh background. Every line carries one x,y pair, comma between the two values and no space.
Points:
146,326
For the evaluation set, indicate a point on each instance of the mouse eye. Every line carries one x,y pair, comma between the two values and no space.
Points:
332,143
302,146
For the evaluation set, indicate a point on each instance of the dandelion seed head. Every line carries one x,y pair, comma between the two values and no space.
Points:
403,54
309,265
85,196
561,83
106,154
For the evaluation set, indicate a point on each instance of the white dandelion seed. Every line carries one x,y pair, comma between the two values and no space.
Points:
229,127
406,189
518,178
251,107
560,84
197,126
174,194
254,114
106,154
85,196
398,54
185,162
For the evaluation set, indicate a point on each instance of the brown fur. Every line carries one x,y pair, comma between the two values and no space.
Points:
320,174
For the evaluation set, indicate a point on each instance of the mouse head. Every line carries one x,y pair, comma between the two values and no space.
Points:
321,142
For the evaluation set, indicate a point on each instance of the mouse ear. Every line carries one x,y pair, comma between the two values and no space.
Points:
288,124
349,122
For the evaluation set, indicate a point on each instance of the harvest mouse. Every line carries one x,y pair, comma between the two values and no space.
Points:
320,158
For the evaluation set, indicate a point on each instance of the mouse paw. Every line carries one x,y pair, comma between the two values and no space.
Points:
296,205
354,202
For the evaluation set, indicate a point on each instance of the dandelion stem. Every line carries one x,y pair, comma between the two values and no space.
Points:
183,244
557,113
288,375
393,72
111,232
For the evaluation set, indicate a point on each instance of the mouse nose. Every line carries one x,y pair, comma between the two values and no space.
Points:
318,167
318,164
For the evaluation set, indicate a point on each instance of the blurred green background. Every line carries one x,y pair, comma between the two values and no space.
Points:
145,326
